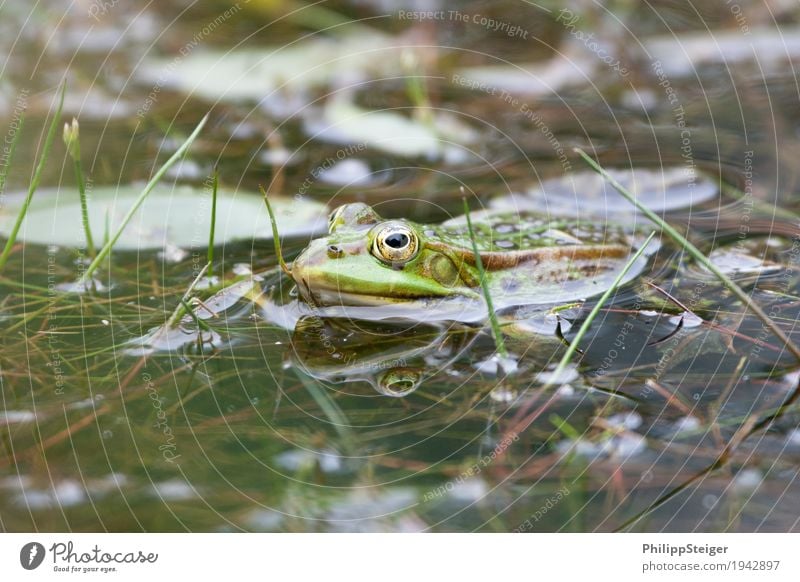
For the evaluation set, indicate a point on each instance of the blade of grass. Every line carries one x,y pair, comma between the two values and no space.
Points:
72,141
276,240
696,254
573,346
214,186
179,153
188,293
190,311
495,325
37,177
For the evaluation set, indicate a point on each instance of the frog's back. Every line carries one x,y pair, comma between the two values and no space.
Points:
531,258
504,231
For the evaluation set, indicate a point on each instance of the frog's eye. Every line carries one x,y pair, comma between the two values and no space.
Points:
395,242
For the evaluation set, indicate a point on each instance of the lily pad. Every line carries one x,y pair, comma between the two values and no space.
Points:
390,131
171,216
256,73
586,192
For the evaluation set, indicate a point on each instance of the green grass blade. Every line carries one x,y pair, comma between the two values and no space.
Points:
276,240
573,345
173,319
145,192
213,226
496,333
72,141
37,177
696,254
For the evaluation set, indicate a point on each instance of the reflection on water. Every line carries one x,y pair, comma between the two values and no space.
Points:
253,412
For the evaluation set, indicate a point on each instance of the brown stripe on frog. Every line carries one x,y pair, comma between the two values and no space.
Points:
500,260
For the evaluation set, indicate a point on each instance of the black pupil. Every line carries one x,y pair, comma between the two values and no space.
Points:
397,240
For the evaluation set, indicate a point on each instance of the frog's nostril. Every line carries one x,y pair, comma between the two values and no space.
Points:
334,252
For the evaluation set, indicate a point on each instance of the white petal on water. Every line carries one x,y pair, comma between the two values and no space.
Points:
299,460
264,520
349,172
686,424
69,492
748,479
627,420
173,254
470,490
533,79
570,374
683,55
279,157
174,490
495,364
16,416
242,269
629,444
565,391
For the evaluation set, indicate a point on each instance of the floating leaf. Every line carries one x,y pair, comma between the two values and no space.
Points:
179,217
389,131
260,74
585,192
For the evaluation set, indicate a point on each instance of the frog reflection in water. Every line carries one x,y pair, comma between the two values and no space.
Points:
430,272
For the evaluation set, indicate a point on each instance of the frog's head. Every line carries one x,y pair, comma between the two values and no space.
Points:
366,260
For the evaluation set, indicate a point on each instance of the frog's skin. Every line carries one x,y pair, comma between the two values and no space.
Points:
528,259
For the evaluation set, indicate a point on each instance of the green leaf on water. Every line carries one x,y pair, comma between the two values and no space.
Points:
171,216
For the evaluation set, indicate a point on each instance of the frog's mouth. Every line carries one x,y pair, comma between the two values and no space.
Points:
321,295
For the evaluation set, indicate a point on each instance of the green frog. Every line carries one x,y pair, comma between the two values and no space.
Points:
430,272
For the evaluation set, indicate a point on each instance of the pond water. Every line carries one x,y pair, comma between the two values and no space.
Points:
121,412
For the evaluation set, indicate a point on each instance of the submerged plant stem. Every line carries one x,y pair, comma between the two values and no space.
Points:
37,177
696,254
145,192
573,346
496,333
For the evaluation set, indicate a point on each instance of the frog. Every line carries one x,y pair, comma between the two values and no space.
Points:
370,267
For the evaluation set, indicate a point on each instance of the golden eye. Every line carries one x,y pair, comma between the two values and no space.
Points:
395,242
